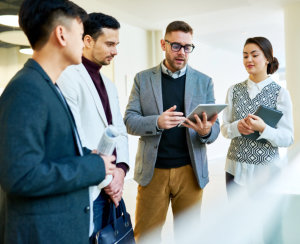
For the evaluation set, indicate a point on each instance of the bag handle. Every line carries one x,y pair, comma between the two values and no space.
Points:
122,209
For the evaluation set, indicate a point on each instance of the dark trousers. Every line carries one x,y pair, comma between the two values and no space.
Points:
101,211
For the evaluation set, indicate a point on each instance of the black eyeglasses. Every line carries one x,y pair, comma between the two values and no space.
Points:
176,47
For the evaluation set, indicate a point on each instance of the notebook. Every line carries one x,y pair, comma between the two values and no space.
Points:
269,115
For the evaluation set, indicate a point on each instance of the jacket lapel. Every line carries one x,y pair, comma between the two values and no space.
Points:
189,89
33,64
87,79
59,96
68,112
156,86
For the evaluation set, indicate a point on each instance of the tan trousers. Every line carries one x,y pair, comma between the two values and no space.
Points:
178,185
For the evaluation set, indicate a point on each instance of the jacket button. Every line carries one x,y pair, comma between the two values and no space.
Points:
87,209
155,146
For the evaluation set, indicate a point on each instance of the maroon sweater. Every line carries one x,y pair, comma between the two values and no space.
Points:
93,70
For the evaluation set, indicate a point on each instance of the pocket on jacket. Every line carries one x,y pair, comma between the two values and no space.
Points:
139,157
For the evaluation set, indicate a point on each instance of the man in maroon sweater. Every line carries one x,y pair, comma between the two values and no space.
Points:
94,103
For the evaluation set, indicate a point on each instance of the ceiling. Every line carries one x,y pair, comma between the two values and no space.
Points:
219,23
203,13
8,7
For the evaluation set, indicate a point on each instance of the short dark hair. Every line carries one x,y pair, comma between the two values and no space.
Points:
179,26
266,46
37,18
96,22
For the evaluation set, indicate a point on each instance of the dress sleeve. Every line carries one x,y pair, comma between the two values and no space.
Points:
283,135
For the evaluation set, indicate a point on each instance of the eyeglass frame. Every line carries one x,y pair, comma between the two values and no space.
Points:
181,46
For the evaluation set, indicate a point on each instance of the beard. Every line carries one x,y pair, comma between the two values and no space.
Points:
177,62
104,61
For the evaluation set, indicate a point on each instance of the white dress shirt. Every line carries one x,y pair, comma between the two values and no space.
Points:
282,136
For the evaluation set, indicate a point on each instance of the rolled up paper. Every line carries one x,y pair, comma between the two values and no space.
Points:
108,141
106,147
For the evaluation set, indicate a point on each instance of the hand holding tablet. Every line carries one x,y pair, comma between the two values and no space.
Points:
209,109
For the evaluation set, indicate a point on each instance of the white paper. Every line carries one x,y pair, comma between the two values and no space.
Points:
108,141
106,147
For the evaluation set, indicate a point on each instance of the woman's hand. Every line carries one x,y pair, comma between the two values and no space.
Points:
244,128
256,123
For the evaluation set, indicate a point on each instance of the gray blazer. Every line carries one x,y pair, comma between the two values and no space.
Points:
143,109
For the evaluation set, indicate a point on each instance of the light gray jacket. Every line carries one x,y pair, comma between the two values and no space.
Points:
143,109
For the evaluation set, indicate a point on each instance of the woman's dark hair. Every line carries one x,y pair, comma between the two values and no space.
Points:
266,46
37,18
96,22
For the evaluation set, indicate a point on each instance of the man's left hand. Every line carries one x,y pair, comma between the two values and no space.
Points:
203,127
115,188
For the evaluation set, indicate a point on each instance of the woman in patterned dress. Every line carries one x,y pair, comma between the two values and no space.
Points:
245,157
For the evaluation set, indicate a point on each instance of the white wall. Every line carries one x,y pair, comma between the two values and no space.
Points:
225,67
10,62
133,57
292,37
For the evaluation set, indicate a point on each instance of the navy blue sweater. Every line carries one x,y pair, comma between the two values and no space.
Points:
173,151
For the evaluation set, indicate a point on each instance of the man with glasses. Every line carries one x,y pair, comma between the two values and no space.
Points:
171,162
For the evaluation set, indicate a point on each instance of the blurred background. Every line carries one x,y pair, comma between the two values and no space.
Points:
220,30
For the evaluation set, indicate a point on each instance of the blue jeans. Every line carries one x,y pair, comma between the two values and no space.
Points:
101,212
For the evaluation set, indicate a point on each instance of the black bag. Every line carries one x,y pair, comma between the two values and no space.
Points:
119,230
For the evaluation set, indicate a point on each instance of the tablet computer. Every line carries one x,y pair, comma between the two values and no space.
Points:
209,109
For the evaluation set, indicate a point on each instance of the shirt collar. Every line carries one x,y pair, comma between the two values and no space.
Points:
259,85
174,75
